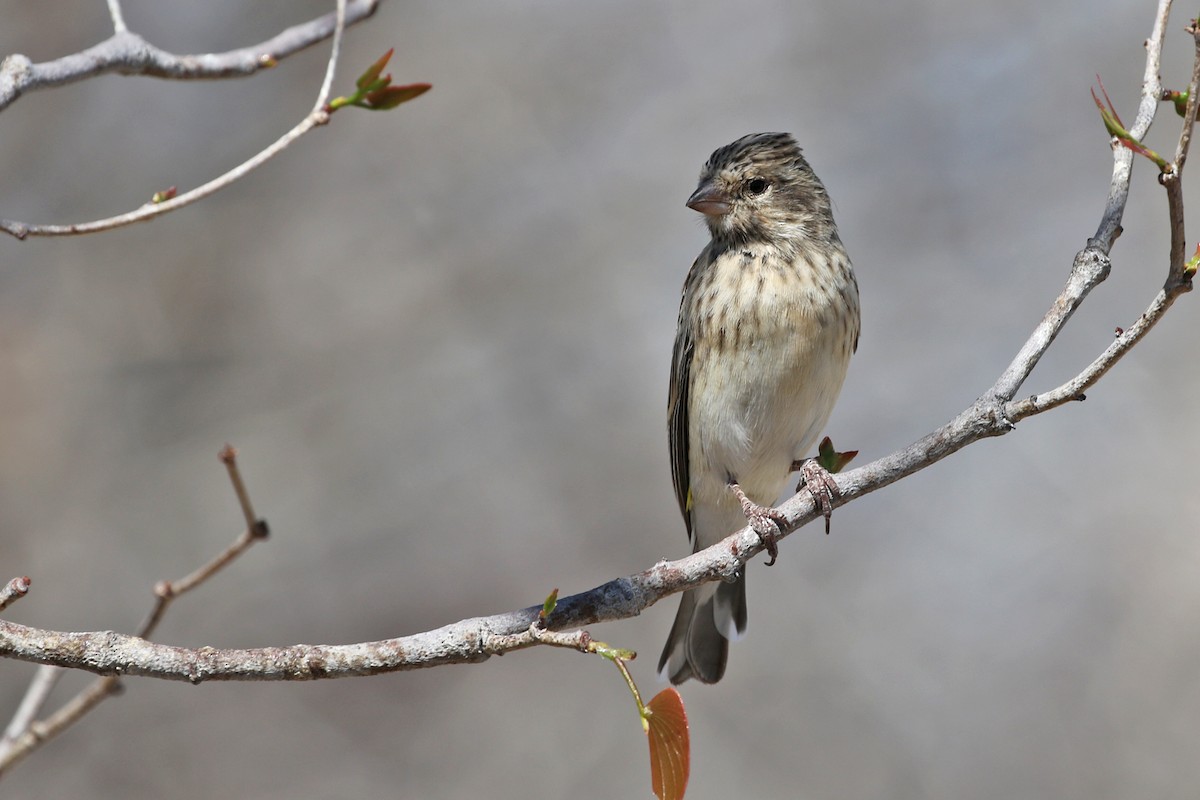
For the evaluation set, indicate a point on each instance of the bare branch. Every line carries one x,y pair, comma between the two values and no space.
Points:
256,529
1176,282
1173,181
1092,264
1189,115
1074,389
149,211
465,642
127,53
318,116
38,733
24,734
254,524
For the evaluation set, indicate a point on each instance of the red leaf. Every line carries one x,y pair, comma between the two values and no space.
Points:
670,745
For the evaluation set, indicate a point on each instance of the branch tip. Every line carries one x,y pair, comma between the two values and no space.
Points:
14,590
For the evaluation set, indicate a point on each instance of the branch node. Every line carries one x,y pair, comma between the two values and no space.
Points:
38,731
260,529
1092,262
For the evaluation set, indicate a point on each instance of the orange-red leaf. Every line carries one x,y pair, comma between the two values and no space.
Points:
670,745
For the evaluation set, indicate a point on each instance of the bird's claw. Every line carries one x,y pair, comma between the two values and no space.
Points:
766,522
821,486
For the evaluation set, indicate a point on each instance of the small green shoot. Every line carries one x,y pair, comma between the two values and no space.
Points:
375,92
831,460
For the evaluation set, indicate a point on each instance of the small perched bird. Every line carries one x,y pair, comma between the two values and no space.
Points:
768,322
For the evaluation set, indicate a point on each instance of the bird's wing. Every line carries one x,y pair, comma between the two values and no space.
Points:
677,414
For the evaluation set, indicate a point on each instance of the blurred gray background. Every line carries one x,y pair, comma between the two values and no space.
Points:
440,338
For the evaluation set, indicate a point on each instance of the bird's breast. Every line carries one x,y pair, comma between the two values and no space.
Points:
770,354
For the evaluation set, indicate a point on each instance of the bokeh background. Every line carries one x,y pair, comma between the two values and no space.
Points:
440,338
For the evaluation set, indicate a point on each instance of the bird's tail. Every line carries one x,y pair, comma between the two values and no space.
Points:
708,618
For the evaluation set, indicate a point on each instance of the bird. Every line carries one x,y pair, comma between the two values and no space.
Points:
767,324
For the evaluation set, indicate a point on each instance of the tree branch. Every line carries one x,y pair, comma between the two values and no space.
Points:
24,733
293,38
126,53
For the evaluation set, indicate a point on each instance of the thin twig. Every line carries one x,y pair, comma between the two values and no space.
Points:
334,50
254,524
1174,181
571,640
118,21
149,211
23,731
24,734
38,733
1189,114
256,529
43,682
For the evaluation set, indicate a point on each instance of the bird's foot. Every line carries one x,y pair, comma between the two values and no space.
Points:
766,521
821,486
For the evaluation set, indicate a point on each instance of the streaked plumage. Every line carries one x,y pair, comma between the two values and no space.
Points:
767,324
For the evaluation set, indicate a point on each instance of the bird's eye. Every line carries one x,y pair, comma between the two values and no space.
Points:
757,185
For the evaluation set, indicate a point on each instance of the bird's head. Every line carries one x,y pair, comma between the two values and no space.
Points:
760,188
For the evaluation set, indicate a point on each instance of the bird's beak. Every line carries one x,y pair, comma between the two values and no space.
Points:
709,201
